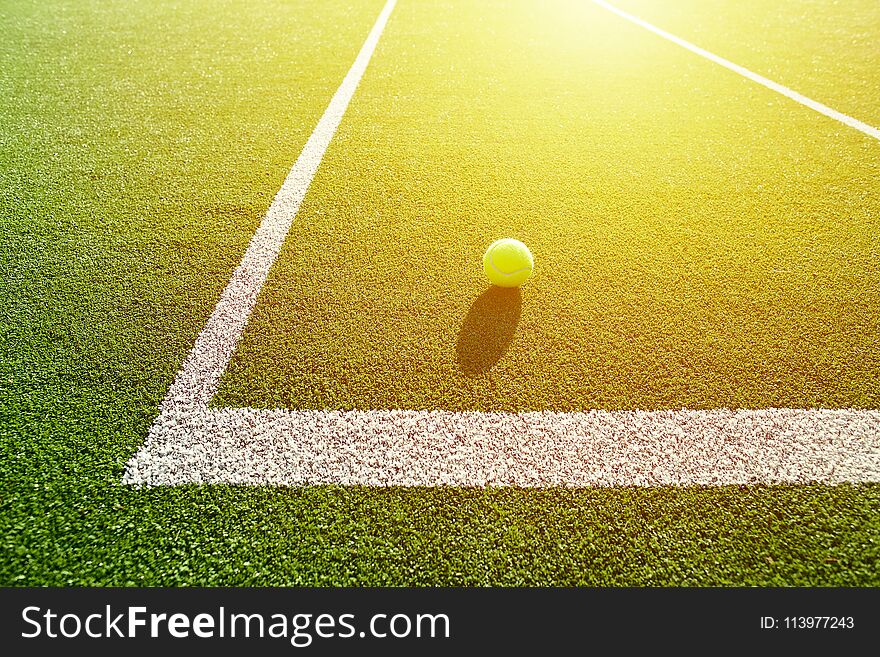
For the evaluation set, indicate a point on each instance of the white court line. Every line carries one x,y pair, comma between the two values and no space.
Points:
540,449
760,79
198,379
189,442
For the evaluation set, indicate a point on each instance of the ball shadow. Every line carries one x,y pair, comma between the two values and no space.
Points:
488,329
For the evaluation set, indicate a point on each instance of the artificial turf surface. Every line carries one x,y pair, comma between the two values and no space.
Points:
141,145
700,241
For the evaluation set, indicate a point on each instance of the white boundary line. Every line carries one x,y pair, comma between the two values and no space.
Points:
541,449
198,379
192,443
746,73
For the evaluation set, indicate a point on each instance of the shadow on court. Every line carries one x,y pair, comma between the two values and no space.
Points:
488,329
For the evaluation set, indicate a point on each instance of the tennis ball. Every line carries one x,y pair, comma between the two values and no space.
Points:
508,262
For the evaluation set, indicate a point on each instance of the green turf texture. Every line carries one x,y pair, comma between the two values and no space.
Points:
699,240
141,144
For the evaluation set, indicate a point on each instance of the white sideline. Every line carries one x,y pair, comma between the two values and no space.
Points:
198,379
189,442
760,79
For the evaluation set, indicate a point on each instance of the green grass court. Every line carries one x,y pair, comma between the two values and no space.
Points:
701,242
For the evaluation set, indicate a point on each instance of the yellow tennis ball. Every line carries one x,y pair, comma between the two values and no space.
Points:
508,262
